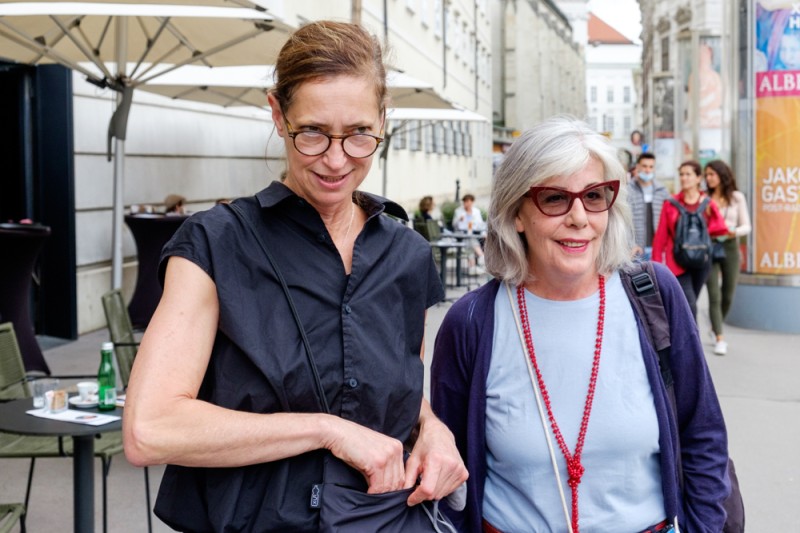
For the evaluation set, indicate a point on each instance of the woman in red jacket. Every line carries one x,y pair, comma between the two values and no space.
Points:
691,280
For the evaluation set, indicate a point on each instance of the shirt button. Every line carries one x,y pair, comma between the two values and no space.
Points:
321,237
347,309
352,383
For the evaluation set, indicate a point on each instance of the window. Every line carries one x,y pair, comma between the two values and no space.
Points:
610,94
425,13
427,137
414,143
608,123
627,123
593,122
437,18
438,137
593,94
398,136
448,138
626,94
665,54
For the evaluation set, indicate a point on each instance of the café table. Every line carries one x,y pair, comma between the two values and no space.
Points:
21,244
151,232
14,419
444,245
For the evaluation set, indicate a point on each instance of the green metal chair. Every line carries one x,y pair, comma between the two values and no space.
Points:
14,385
121,332
10,514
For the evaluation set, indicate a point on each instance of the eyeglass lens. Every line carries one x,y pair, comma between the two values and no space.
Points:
554,202
313,143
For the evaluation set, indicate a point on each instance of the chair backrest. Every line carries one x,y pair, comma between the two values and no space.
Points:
13,382
434,232
421,227
121,332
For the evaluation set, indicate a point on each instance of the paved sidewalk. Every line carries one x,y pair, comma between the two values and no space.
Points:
758,383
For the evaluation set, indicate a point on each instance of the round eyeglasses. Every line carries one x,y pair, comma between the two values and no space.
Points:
313,143
555,202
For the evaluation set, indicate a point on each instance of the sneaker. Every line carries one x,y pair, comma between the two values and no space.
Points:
721,348
713,340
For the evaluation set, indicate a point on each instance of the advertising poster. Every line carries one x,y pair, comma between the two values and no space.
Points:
664,141
776,194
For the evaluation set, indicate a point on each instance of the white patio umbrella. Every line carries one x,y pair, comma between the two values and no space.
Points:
246,85
154,37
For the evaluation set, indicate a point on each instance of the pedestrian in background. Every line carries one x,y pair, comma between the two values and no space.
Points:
690,197
646,197
556,318
724,273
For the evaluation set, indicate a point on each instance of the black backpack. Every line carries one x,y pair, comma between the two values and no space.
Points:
641,286
692,247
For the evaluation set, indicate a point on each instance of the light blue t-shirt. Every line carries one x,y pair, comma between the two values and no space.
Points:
621,486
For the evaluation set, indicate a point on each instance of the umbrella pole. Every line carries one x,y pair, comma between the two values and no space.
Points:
119,179
119,156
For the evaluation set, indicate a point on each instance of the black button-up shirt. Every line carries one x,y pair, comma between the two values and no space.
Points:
365,330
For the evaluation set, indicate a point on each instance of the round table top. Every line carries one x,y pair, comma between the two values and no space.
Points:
31,229
14,419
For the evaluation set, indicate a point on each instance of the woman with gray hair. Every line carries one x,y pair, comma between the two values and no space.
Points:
588,441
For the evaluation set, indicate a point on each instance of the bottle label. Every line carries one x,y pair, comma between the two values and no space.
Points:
108,397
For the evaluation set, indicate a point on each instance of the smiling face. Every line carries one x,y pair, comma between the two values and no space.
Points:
562,250
337,106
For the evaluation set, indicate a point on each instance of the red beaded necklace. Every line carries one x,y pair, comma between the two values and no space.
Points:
574,467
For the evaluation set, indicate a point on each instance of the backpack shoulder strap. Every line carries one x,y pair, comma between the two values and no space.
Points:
641,285
674,201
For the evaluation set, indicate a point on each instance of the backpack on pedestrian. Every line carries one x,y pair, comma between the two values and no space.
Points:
641,285
692,243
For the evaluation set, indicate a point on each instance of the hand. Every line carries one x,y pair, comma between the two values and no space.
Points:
379,458
637,251
436,460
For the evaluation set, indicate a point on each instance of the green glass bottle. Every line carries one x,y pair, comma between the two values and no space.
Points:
107,379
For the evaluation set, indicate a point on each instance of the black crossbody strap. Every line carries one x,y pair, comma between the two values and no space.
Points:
311,363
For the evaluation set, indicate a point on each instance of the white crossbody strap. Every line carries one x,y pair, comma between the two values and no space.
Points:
542,415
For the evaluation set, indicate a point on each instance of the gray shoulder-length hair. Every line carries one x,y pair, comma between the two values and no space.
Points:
560,146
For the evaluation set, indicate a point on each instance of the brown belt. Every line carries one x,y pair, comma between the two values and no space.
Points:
489,528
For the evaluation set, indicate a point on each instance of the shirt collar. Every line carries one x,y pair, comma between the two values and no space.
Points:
373,204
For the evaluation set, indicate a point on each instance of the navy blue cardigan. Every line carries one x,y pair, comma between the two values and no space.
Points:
461,359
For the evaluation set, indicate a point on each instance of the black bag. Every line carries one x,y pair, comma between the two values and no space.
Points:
343,503
718,252
641,286
692,243
345,507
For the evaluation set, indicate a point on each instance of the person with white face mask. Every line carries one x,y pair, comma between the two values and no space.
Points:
646,197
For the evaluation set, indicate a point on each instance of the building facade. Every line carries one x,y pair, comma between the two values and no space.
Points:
613,63
722,80
538,68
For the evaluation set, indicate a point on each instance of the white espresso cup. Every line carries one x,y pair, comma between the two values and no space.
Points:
87,389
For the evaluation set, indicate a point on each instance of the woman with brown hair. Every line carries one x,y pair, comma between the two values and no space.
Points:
223,390
690,197
733,205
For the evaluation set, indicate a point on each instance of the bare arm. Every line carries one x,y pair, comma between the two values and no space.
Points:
164,421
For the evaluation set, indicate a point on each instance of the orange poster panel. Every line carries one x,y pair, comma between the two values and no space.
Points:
776,198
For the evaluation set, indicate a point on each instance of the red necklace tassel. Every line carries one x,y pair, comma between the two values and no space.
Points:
575,469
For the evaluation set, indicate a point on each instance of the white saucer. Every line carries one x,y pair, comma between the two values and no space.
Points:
90,402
